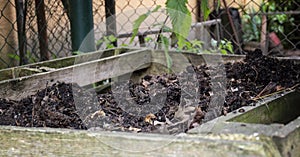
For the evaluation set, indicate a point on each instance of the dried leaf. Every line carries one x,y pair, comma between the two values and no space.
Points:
149,118
98,113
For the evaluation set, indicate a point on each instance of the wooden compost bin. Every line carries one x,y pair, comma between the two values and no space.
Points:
51,65
18,83
46,70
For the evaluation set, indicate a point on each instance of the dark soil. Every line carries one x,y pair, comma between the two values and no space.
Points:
246,82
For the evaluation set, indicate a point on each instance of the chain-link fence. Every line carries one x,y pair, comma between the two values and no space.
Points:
32,30
35,30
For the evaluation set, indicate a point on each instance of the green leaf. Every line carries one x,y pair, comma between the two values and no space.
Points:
225,46
163,27
205,9
218,4
137,23
224,52
124,45
188,46
197,44
99,42
109,46
112,38
148,39
13,56
180,18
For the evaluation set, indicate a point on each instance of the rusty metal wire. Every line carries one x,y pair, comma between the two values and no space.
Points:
17,48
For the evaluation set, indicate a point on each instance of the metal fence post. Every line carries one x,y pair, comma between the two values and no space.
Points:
110,15
21,18
82,25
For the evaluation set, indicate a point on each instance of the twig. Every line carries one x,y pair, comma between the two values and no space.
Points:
279,91
256,73
268,87
160,31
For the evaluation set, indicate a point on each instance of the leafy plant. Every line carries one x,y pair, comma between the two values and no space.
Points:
251,26
107,40
148,39
283,24
14,56
28,56
137,23
276,20
225,46
194,46
180,18
205,8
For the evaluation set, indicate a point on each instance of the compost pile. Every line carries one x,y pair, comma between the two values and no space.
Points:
70,106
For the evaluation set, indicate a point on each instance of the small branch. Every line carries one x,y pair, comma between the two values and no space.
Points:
160,31
233,27
270,86
279,91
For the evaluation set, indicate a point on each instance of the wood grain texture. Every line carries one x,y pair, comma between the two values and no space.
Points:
29,69
83,73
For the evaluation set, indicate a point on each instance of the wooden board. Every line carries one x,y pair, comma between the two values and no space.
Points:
29,69
181,60
28,142
88,69
98,70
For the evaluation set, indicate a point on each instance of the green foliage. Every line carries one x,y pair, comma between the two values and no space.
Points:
163,27
148,39
180,18
108,41
54,56
14,56
28,56
251,26
124,45
276,21
225,46
205,8
137,23
194,46
283,24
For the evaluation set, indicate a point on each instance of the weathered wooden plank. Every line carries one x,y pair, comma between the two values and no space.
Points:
16,141
196,58
83,73
181,60
29,69
90,69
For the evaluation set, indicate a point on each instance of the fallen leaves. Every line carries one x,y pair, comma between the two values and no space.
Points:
149,118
